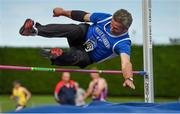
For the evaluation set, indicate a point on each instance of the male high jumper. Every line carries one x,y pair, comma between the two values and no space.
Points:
103,36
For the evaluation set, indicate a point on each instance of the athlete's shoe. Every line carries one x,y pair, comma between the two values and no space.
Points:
52,53
27,29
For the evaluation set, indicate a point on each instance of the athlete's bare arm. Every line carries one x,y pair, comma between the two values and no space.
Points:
67,13
101,87
89,90
127,71
28,93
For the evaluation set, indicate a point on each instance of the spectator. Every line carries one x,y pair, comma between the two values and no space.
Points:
20,94
79,96
97,88
65,91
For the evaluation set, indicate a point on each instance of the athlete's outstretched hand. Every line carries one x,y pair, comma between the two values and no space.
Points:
129,83
58,12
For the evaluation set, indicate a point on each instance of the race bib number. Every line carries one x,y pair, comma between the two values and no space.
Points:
89,45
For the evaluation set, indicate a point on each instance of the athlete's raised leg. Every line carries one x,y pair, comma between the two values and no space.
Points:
74,33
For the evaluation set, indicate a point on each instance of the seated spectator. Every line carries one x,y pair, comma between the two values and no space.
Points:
79,95
65,91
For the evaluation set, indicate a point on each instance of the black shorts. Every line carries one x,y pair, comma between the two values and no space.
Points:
76,56
76,36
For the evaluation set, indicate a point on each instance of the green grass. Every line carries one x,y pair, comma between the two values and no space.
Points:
166,62
6,104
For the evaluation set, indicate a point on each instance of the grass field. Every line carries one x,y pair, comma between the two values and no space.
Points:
6,104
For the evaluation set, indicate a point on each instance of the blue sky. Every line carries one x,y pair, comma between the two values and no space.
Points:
165,19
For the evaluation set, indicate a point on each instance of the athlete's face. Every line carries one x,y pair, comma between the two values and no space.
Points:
94,75
16,85
66,77
117,28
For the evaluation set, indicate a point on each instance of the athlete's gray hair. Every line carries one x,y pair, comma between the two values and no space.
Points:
124,17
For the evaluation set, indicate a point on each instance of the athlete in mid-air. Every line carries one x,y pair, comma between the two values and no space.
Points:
102,36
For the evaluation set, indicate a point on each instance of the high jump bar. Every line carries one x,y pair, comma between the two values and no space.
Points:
24,68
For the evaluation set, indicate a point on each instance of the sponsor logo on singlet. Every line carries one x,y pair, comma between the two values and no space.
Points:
103,37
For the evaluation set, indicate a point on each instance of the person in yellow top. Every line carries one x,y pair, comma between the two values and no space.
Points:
20,94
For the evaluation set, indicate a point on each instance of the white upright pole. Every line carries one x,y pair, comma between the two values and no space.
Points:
147,52
0,108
